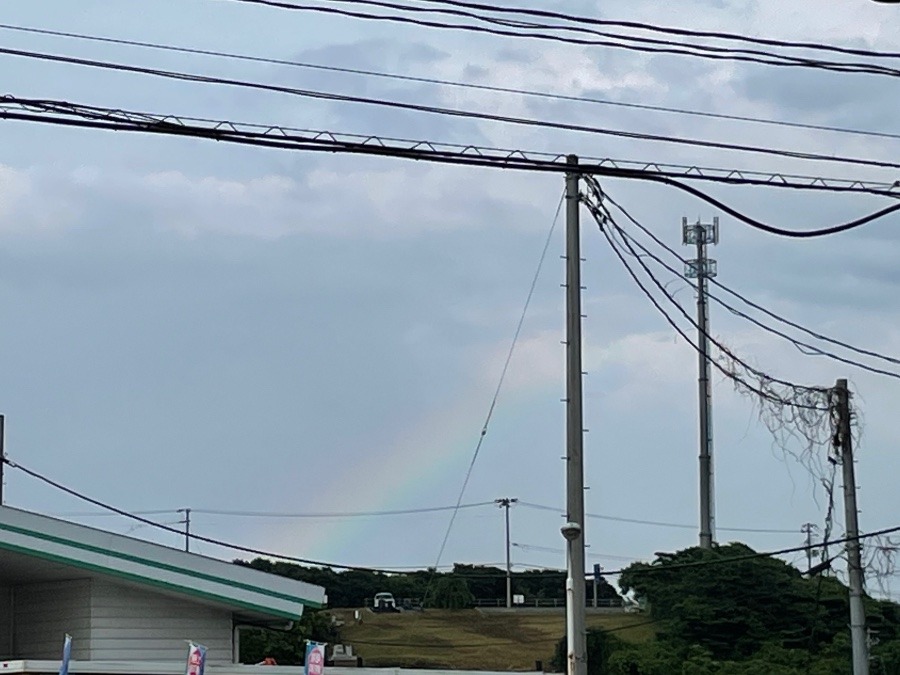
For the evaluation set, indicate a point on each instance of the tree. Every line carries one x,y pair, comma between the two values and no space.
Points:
599,647
451,592
735,608
287,647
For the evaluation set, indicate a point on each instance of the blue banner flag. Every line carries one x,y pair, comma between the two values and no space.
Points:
315,658
66,656
196,661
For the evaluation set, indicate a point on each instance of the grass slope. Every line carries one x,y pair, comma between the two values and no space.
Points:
470,639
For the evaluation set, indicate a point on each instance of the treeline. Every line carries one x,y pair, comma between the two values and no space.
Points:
352,588
722,611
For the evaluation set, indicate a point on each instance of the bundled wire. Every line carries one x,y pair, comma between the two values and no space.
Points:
760,308
443,111
527,29
796,396
804,347
547,95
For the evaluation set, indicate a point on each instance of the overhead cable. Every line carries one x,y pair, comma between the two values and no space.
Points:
109,119
684,32
273,136
657,523
448,112
755,305
643,45
501,380
600,218
245,549
555,96
290,515
771,229
804,347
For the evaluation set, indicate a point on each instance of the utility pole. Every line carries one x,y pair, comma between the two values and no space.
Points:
573,530
597,571
187,528
505,503
703,268
844,442
808,529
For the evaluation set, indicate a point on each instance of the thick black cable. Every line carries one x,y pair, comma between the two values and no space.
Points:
432,151
750,303
109,119
437,110
579,27
644,46
771,229
216,542
683,32
98,120
804,347
450,83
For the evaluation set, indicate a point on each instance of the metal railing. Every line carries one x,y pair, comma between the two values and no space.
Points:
546,602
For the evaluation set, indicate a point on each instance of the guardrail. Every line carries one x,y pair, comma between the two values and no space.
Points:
546,602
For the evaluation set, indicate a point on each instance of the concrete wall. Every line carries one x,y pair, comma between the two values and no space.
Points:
131,624
44,613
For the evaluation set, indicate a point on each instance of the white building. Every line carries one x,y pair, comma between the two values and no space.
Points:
126,600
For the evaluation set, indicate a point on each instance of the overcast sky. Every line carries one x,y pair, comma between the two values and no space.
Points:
192,324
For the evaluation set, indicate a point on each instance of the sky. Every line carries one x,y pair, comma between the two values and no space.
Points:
187,324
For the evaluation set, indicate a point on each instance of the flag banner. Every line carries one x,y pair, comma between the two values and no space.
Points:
66,655
315,658
196,661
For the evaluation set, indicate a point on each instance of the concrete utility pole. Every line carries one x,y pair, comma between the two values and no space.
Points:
702,268
187,528
573,530
505,503
844,442
807,529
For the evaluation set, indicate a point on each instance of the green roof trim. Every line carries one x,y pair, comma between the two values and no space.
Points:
152,563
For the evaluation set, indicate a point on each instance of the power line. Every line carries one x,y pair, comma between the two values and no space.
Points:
657,523
64,113
757,306
684,32
502,379
771,229
769,396
166,528
245,549
449,112
804,347
450,83
627,42
282,514
109,119
550,549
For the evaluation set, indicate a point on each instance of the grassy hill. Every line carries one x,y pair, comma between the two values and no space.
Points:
470,639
